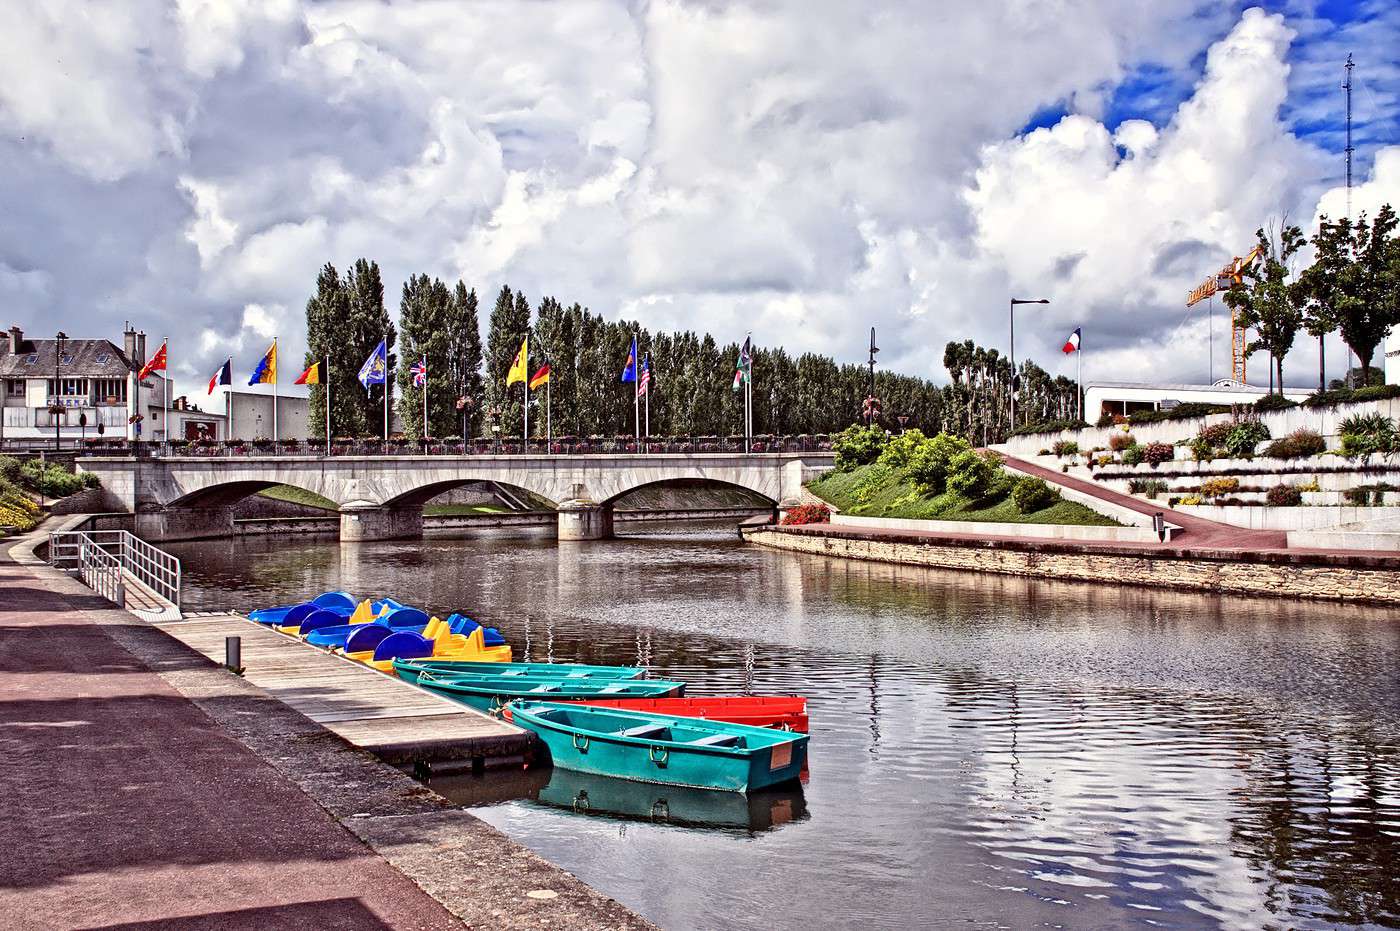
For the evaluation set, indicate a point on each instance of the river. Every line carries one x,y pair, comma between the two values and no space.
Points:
986,751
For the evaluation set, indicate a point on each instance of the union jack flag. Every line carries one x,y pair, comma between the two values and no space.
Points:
420,372
644,379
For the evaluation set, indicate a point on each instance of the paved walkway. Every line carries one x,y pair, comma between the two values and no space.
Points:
128,808
1197,531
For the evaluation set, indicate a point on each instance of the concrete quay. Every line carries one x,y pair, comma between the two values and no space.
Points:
157,790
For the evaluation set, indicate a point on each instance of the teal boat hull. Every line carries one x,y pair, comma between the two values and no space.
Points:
491,693
413,669
681,806
594,740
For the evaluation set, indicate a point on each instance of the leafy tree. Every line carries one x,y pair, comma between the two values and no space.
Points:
1321,286
1371,285
367,322
464,359
1267,300
510,323
425,315
327,313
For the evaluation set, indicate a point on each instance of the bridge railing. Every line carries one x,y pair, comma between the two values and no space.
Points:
452,446
106,559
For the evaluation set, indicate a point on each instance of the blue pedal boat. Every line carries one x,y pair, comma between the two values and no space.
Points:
333,635
330,601
661,749
447,670
490,693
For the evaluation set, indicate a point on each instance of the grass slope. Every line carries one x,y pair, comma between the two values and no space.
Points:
863,492
299,496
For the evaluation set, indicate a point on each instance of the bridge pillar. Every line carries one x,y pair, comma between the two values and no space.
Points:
584,520
170,524
358,525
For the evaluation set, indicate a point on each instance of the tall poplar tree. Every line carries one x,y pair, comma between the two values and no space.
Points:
425,312
327,314
464,359
510,322
367,322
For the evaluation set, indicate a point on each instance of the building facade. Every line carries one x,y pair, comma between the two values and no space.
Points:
1125,398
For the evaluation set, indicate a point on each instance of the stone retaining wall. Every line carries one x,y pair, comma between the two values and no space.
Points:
1343,578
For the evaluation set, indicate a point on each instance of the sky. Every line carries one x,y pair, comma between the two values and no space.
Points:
801,169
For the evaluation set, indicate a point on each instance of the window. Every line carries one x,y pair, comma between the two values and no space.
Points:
68,387
14,387
109,390
31,358
103,358
66,359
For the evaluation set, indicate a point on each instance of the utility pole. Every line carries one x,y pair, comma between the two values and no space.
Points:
870,418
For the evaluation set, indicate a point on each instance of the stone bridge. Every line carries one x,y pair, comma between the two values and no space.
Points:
380,498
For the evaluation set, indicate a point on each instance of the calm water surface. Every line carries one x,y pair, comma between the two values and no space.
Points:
986,751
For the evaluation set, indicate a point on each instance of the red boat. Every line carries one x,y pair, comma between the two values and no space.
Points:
783,711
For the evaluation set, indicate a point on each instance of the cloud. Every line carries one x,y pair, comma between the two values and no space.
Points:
800,168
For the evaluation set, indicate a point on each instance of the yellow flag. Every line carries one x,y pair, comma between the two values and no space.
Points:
517,368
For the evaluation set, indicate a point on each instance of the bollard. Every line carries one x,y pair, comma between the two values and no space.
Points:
1159,524
233,654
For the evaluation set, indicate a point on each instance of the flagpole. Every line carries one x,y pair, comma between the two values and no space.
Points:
648,403
275,375
636,383
328,405
1079,376
228,404
525,353
386,394
548,415
425,396
165,388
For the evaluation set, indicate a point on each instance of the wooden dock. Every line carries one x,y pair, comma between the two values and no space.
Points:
396,721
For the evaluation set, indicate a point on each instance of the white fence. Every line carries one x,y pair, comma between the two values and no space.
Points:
105,559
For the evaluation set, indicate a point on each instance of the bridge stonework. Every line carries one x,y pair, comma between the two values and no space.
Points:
182,498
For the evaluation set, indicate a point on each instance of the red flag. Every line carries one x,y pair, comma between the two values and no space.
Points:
157,363
539,377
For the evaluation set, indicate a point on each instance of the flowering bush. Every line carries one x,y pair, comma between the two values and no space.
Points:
1154,453
1120,441
807,514
1283,496
1216,487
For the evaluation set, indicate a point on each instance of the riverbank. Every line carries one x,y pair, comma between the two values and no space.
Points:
1361,578
162,788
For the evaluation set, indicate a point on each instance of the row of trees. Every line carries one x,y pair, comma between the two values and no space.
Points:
1352,287
692,373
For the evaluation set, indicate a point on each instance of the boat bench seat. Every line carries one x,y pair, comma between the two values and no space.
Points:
645,730
545,687
717,740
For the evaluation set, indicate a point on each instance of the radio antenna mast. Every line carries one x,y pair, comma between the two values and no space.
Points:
1346,86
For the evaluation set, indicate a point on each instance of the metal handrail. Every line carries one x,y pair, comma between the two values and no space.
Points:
98,551
102,573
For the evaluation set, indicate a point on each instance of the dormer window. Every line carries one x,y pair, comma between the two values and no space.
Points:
31,358
65,359
103,358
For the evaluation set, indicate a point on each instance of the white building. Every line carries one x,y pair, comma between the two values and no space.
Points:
1124,398
77,387
1392,357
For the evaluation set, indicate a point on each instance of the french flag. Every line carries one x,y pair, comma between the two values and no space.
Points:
1072,344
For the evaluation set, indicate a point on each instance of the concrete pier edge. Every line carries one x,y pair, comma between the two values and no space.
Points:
477,873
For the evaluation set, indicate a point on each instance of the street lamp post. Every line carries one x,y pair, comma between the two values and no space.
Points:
54,407
1016,379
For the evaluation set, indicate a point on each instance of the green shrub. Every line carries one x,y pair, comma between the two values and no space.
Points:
1283,496
970,475
90,480
1181,412
1273,402
871,481
1245,435
1001,487
1149,487
9,469
1157,453
1033,494
1215,434
858,446
1121,441
1105,420
1365,434
899,449
1301,442
1348,396
929,464
1049,426
1132,455
1218,487
1376,393
1065,448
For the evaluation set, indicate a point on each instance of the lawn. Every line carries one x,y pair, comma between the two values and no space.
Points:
879,491
299,496
463,510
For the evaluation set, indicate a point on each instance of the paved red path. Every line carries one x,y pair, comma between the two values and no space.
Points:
126,806
1197,531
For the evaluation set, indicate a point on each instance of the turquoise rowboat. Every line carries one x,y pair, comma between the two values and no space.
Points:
490,693
663,749
445,669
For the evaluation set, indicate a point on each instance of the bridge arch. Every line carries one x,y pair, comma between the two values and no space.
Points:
422,494
691,482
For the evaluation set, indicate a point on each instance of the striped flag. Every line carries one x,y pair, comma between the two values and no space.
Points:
644,379
419,371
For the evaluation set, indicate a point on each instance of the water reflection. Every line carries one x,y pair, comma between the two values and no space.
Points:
984,748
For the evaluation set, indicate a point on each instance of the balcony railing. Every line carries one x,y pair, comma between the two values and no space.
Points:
560,446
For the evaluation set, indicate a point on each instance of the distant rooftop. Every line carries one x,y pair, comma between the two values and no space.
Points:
1241,389
82,358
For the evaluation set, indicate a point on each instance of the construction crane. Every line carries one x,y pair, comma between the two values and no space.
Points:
1231,274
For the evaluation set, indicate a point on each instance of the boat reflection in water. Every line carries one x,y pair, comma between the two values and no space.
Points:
604,796
590,794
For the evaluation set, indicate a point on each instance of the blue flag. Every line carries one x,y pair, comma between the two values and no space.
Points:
629,371
376,367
